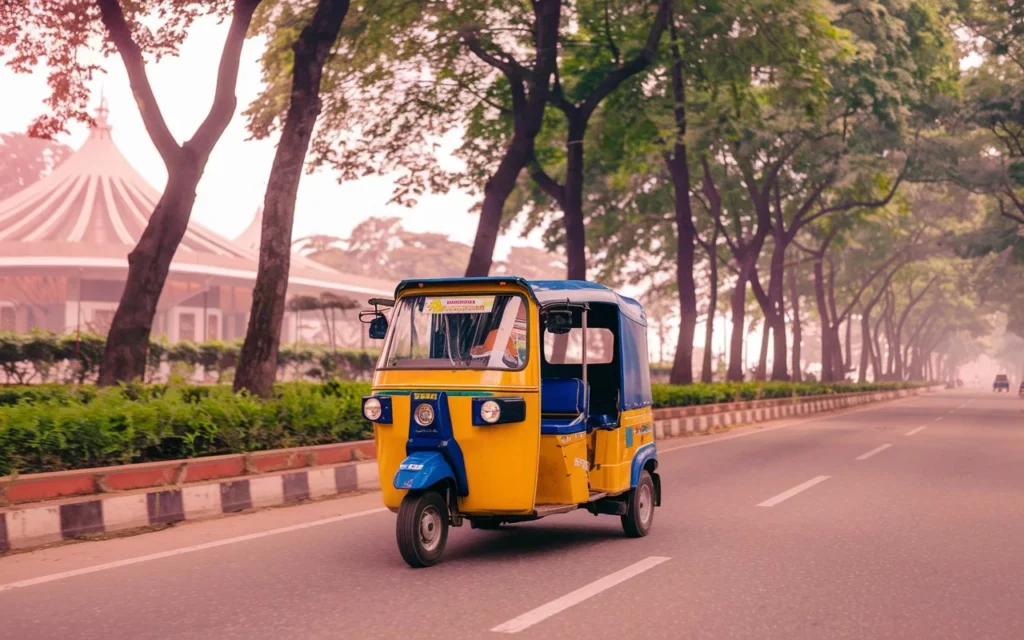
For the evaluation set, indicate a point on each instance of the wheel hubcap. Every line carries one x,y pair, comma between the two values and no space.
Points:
646,505
430,528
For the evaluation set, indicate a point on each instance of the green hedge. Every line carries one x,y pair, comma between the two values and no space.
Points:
667,395
59,427
47,357
55,429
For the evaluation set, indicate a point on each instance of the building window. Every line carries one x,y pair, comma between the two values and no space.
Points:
7,319
212,324
187,327
101,321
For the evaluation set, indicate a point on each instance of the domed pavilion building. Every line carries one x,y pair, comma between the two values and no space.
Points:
64,244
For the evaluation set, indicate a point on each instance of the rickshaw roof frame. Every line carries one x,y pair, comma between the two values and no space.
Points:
546,292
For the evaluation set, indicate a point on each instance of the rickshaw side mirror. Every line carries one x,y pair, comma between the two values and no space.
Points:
558,322
378,328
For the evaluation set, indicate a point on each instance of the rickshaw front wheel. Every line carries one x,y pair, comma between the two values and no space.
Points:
640,508
422,528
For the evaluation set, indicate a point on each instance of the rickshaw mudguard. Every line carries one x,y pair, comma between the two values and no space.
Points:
437,441
422,470
643,455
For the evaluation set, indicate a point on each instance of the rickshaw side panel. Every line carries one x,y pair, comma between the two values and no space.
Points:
562,475
616,450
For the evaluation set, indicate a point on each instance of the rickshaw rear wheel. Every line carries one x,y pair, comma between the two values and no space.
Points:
640,508
422,528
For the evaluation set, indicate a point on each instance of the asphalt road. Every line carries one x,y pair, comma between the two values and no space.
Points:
812,529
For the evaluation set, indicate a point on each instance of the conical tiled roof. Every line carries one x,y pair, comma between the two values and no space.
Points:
91,211
96,198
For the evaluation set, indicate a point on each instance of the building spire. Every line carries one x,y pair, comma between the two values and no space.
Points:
101,127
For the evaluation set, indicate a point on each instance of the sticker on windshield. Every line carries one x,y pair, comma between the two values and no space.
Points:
460,305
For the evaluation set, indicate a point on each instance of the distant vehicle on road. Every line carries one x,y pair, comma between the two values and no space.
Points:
1002,383
1020,392
950,384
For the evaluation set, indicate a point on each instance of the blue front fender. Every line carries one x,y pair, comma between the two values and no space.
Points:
422,470
643,455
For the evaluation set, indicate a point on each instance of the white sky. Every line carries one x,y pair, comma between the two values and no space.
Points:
232,187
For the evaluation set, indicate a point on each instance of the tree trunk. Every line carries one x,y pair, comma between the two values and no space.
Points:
496,192
876,350
827,351
865,344
124,357
686,233
572,206
777,302
738,303
707,372
257,364
794,299
529,99
848,360
762,358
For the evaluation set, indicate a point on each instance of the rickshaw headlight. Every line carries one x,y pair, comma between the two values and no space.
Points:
371,409
424,415
490,411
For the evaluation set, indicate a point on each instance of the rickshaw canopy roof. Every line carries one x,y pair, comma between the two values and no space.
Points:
549,292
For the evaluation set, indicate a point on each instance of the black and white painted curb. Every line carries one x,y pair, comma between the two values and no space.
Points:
40,525
675,427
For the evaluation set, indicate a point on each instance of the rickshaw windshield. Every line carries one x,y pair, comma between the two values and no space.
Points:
458,332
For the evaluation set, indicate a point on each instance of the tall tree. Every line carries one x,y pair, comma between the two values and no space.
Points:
257,365
601,71
63,34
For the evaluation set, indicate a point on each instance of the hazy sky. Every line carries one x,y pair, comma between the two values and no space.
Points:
233,185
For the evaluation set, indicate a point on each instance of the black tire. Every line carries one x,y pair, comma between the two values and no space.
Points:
422,528
640,508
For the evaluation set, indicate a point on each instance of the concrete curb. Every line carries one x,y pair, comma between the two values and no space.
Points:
695,422
54,521
169,473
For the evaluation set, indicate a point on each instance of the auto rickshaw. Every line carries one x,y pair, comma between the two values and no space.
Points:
501,400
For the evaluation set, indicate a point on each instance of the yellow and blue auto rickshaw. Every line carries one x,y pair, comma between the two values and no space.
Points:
501,400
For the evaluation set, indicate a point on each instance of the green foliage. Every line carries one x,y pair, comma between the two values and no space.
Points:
46,357
666,395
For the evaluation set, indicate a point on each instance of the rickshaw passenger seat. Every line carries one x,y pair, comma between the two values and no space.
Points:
562,396
563,405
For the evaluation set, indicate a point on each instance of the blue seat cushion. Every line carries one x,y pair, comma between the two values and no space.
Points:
603,421
562,426
563,397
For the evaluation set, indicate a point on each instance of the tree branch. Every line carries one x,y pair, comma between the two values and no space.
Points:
121,34
547,184
868,204
224,99
633,66
503,61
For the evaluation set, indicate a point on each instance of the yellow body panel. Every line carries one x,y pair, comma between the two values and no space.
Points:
613,459
562,476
